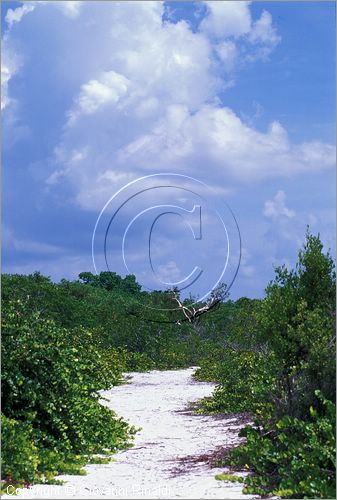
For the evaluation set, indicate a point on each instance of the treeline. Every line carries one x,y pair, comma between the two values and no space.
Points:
279,363
274,358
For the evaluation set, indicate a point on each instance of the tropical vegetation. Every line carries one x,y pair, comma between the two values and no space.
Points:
274,359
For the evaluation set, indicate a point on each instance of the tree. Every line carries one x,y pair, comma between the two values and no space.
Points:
297,321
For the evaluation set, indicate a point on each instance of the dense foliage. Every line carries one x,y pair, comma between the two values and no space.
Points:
292,458
283,370
50,403
61,344
64,342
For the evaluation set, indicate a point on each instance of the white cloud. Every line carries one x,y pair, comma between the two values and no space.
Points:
264,35
263,30
108,89
216,137
69,8
284,231
146,99
10,65
224,19
232,22
277,208
15,15
10,60
5,77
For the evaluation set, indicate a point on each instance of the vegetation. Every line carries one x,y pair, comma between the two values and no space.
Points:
50,401
283,370
291,457
64,342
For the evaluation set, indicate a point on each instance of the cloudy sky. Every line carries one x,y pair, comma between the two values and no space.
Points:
237,95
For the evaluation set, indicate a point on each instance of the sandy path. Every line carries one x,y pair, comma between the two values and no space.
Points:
156,402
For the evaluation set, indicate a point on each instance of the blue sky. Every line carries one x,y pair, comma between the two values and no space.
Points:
238,95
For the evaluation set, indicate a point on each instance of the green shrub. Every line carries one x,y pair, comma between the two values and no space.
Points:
140,362
211,365
50,382
19,455
245,381
291,458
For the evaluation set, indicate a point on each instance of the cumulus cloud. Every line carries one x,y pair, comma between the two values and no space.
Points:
247,267
215,136
240,37
148,95
276,207
10,60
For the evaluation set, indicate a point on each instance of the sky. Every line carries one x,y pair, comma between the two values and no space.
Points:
230,105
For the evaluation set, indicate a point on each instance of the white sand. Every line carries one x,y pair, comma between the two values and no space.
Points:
155,401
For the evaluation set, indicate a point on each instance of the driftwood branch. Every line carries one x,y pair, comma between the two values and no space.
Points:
191,313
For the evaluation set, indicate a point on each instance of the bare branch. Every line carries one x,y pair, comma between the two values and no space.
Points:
193,314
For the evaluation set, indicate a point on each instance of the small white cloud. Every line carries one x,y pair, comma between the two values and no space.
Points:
15,15
108,89
147,107
10,65
264,31
224,19
277,208
6,75
242,39
264,35
69,8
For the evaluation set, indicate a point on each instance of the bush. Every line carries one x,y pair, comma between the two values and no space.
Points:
291,458
288,362
19,455
297,323
245,382
50,381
